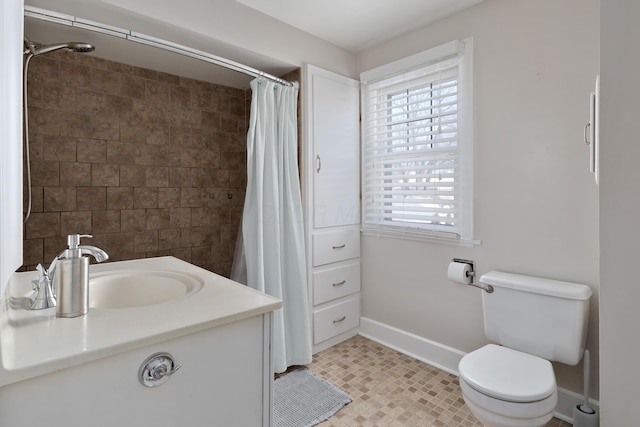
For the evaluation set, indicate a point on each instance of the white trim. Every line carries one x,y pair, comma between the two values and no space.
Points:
464,224
431,352
418,60
432,237
317,348
567,400
267,369
447,358
467,134
11,35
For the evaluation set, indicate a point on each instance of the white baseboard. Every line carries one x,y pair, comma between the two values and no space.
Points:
334,340
431,352
447,358
567,400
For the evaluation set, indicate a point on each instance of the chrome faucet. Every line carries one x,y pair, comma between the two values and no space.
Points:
44,296
67,279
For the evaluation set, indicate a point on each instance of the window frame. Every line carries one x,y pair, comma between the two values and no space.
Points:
463,51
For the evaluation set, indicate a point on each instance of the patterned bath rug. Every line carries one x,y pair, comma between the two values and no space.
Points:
300,399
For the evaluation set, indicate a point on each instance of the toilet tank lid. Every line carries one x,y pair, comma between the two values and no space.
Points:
537,285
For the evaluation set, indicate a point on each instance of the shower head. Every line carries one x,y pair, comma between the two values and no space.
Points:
36,50
80,47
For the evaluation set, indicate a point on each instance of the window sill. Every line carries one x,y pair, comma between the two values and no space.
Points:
437,238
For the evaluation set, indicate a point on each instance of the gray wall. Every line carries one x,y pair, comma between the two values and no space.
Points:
536,204
619,213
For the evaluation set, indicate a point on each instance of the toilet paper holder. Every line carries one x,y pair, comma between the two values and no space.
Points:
472,275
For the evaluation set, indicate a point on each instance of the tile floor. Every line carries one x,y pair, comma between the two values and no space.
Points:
391,389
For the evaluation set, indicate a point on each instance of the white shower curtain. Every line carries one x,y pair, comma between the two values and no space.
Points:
272,232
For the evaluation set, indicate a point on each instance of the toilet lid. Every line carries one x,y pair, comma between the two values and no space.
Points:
508,374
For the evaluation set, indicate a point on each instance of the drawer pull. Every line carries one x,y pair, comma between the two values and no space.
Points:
339,283
342,319
344,245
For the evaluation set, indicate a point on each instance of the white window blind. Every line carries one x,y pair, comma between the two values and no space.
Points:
416,146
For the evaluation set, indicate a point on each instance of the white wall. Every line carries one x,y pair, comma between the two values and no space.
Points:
223,27
10,139
619,213
536,205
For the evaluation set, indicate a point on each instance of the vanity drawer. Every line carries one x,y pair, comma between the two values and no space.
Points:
336,319
336,246
337,282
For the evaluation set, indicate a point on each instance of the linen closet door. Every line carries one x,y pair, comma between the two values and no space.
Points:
331,182
335,139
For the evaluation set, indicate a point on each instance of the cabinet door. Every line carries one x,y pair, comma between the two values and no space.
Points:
335,122
332,283
334,246
222,382
336,319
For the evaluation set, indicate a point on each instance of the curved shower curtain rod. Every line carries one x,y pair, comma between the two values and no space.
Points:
73,21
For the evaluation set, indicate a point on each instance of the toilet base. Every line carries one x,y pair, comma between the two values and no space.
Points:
490,419
535,414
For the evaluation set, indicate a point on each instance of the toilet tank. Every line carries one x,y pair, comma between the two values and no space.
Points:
544,317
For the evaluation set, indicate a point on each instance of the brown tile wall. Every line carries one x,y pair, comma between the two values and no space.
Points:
149,163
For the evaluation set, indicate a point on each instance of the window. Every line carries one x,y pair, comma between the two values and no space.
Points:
417,145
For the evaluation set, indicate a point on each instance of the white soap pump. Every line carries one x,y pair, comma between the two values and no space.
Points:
70,274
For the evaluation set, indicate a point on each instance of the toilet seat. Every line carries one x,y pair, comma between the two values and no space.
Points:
508,375
493,412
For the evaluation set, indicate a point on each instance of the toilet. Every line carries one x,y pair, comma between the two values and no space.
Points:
532,322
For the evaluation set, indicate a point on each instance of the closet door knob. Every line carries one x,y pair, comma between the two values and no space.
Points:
318,163
587,131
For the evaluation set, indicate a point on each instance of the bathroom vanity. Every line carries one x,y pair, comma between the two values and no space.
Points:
200,343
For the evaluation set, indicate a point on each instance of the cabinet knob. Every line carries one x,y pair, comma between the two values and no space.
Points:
318,163
344,245
157,369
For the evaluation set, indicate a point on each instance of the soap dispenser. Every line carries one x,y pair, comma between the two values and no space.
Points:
70,273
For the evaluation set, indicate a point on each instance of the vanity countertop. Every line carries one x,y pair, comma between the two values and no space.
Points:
34,343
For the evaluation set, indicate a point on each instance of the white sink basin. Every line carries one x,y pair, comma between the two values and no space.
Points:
139,288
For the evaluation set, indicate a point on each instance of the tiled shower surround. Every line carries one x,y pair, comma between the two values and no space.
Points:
148,163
